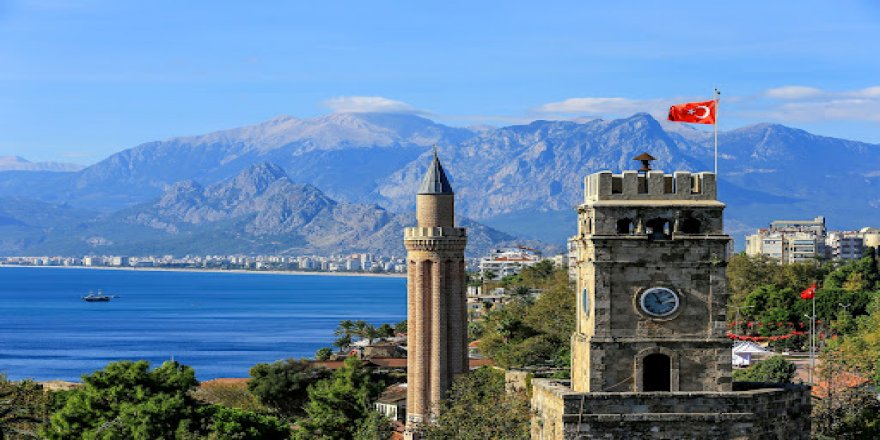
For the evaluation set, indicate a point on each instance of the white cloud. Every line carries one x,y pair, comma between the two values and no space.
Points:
809,104
869,92
367,104
793,92
601,106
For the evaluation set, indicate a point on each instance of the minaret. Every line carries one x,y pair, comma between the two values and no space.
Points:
437,313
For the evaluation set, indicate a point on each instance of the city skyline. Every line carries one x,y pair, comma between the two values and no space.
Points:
86,79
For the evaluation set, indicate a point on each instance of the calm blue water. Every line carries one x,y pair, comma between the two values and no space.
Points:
218,323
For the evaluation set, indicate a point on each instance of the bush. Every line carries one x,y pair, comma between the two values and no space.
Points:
478,408
773,370
283,385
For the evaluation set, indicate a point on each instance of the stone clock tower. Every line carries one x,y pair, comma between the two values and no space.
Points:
651,287
650,358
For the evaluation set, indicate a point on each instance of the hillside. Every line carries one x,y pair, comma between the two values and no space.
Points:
260,210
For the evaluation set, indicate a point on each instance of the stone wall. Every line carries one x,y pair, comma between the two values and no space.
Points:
753,411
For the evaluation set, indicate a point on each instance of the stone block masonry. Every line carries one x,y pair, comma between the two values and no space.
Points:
751,411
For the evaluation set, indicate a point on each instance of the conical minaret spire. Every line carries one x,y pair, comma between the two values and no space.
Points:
435,180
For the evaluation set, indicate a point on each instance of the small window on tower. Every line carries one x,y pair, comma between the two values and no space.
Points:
690,226
625,226
658,229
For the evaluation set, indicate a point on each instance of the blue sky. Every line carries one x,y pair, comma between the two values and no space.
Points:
82,79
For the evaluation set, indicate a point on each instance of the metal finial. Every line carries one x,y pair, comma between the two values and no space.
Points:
646,159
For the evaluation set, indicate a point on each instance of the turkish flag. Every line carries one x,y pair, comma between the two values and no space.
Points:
693,112
809,292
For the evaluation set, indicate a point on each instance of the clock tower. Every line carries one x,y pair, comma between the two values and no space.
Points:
650,355
651,252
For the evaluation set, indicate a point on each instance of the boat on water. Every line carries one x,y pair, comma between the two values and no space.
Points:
97,297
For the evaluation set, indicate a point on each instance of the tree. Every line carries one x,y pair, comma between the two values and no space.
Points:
127,400
231,395
23,408
478,408
773,370
342,342
853,414
386,331
400,327
323,354
859,351
860,275
283,385
235,424
531,333
374,426
337,405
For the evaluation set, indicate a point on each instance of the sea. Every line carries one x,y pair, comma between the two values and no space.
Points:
219,323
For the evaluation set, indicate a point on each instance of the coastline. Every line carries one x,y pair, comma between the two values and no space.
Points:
230,271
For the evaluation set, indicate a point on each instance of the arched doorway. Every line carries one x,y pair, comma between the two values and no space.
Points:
656,372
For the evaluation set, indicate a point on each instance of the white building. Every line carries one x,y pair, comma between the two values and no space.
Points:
505,262
845,245
790,241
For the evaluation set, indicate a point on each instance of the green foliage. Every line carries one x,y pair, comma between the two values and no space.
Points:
532,333
337,405
852,414
126,400
860,275
860,350
323,354
232,395
400,327
386,331
235,424
374,426
23,408
479,408
773,370
283,385
746,274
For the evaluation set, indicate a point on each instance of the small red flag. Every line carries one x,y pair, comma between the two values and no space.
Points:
809,292
693,112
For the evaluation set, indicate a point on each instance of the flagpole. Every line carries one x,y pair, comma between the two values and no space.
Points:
812,340
717,96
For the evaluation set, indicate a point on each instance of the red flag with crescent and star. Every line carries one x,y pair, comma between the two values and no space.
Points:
693,112
809,292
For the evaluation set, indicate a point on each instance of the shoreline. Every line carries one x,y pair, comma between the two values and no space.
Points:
230,271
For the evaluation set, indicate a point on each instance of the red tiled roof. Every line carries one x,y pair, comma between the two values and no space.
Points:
389,362
226,381
839,382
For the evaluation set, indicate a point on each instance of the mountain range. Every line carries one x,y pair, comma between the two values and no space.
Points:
17,163
524,180
258,211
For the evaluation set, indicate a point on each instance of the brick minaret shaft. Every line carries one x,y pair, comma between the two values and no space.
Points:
437,309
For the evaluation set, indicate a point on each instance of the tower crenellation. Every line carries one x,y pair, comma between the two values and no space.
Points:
652,185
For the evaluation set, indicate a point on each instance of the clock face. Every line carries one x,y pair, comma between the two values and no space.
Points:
659,301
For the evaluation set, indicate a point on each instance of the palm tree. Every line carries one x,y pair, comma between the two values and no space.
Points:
342,342
345,328
361,329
